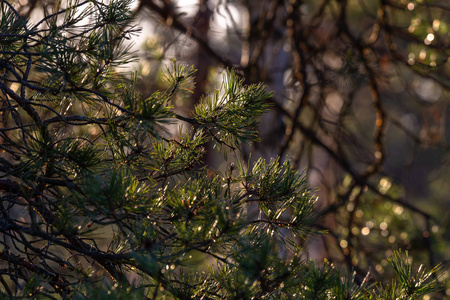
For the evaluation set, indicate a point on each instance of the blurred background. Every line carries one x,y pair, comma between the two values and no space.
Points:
361,102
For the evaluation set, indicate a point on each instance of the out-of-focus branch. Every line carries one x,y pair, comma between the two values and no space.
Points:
167,13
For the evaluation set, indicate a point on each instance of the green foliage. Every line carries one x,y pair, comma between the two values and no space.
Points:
411,284
230,115
93,183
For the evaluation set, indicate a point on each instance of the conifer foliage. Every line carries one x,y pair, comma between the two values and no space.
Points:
100,200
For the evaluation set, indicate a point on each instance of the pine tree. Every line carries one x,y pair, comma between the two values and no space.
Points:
100,200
